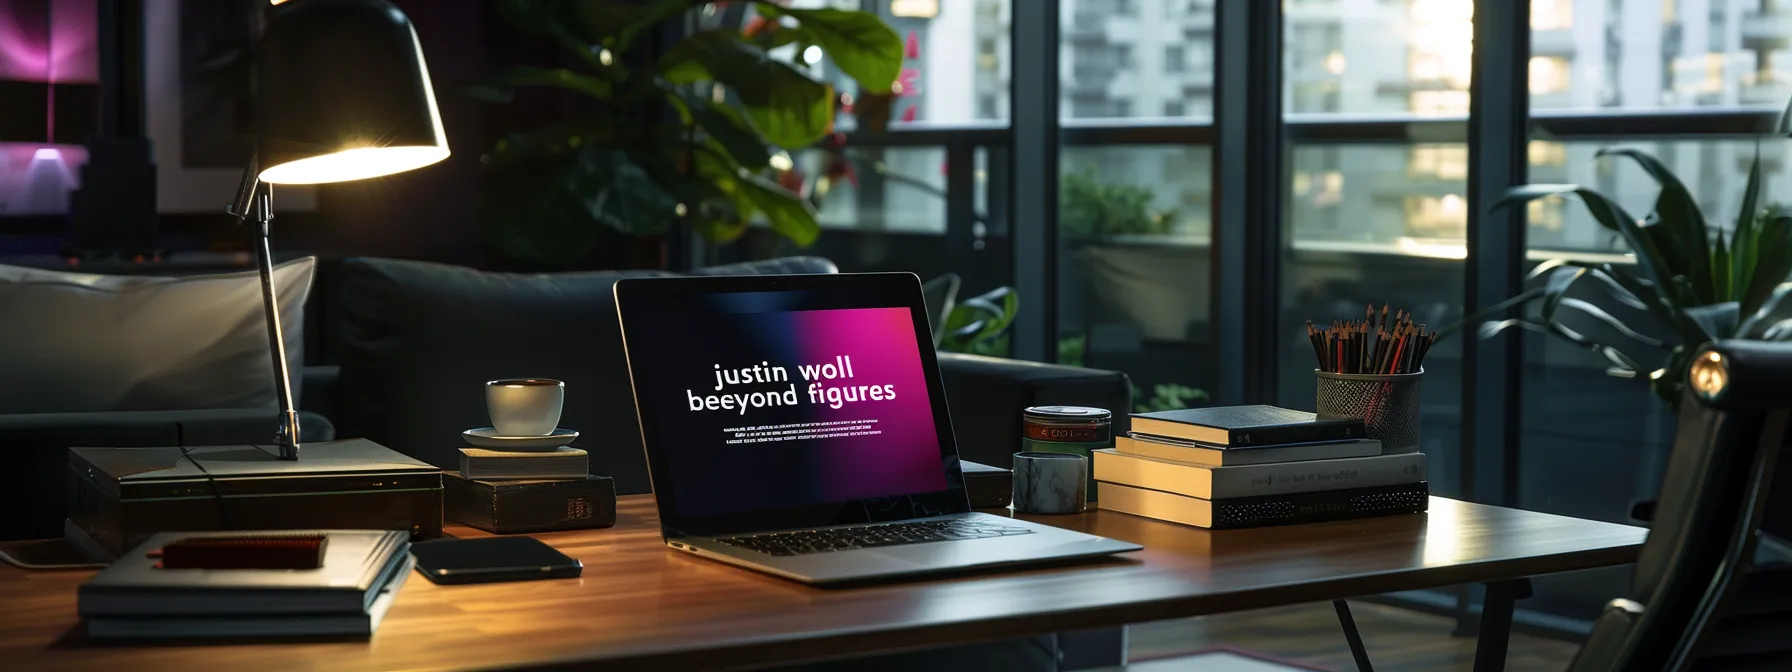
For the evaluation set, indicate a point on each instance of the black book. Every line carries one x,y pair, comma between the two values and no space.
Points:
1266,510
1246,426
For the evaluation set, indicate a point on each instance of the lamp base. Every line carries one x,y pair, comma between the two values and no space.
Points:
124,495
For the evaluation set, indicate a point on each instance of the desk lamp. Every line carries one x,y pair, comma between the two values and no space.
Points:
341,93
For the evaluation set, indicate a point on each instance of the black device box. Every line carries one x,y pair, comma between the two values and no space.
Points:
121,496
988,487
511,507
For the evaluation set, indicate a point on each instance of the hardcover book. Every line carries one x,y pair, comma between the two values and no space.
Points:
357,564
1246,426
509,507
564,462
274,627
1209,482
1195,453
1288,509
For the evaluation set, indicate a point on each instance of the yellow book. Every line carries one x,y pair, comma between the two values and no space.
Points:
1226,457
1210,482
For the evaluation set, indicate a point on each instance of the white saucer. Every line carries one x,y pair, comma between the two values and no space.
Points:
486,437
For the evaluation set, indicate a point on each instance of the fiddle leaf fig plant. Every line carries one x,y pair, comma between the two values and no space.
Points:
698,136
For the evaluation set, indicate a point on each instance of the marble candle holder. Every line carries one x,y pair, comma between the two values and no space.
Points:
1050,482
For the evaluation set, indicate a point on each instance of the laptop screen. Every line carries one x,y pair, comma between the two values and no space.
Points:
790,407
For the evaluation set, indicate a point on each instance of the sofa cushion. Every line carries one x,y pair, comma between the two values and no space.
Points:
81,342
419,341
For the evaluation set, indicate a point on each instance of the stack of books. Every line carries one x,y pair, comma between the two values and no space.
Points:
510,492
1253,466
344,592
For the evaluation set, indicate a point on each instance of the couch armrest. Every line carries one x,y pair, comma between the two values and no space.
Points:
34,449
987,394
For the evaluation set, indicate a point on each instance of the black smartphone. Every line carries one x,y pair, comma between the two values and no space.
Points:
457,561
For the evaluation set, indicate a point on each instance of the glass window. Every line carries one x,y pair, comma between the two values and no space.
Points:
1117,65
1134,258
1645,54
955,64
1407,57
1382,222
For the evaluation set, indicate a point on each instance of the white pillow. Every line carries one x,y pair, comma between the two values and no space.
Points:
80,342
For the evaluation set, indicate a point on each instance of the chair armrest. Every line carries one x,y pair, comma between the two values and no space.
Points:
987,394
35,447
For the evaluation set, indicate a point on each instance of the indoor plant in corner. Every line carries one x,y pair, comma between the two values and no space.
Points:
1702,281
697,136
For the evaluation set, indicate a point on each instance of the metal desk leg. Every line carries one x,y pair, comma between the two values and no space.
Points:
1496,623
1355,638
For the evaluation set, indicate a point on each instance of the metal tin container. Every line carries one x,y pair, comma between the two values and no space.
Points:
1067,429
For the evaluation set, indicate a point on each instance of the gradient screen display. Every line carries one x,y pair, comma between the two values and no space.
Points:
760,405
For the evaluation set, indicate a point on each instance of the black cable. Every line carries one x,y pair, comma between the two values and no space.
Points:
180,436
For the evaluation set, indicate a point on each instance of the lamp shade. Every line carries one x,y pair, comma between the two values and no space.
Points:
342,93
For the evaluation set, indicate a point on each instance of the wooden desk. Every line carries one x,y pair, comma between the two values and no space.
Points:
640,605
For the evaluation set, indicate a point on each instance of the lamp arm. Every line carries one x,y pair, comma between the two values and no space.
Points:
254,204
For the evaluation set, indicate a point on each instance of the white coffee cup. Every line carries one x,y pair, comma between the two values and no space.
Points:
525,406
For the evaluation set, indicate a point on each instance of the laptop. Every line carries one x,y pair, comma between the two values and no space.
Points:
796,425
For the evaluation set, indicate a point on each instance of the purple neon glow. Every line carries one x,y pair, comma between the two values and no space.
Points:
49,41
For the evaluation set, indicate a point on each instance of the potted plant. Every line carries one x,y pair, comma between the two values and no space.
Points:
698,137
1112,227
1701,280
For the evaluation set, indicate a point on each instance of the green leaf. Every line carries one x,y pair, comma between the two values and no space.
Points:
864,48
547,17
1720,269
1743,240
1558,283
1608,320
502,88
1608,213
648,16
1600,272
791,109
1526,296
627,198
1770,311
1780,331
562,139
730,131
1611,354
1718,320
1679,215
1773,262
1674,291
787,213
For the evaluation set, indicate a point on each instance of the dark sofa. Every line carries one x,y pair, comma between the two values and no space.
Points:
412,342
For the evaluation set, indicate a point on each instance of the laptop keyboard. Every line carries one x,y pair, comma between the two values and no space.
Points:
871,536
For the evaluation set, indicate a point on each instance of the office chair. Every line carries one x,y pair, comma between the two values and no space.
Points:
1706,535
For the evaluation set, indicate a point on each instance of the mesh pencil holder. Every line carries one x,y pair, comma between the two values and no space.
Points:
1388,405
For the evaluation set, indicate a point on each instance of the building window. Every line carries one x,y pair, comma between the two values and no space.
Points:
1122,108
1123,55
1437,217
1549,74
1173,58
986,108
1552,14
1173,108
1443,162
